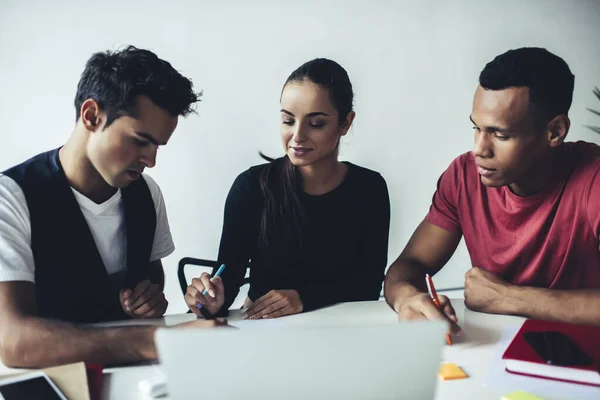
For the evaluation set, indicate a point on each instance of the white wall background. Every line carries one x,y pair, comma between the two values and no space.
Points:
414,66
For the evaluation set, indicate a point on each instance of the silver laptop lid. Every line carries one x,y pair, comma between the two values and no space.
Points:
397,361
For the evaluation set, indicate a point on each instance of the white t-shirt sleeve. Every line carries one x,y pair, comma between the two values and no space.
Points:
163,241
16,257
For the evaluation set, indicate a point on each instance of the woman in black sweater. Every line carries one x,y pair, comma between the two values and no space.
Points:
313,230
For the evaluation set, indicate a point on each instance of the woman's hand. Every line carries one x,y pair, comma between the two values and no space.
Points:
274,304
214,298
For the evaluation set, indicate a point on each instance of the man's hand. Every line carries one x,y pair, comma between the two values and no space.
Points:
274,304
486,292
214,298
146,300
421,306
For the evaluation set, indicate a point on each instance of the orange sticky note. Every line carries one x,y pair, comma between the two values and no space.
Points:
451,371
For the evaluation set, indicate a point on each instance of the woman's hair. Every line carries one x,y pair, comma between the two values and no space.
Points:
282,219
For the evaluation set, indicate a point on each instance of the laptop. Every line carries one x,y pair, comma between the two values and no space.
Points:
398,361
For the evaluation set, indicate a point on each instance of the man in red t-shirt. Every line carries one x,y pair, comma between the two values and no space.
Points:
526,202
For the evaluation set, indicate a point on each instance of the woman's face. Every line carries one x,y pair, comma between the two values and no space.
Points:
310,128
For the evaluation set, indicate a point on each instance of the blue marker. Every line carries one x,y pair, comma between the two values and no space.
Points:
219,272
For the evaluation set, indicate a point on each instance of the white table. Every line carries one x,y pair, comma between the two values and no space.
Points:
472,351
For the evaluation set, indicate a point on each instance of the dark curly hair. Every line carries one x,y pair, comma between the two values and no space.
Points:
115,79
547,76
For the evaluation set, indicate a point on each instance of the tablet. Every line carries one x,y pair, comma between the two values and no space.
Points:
32,386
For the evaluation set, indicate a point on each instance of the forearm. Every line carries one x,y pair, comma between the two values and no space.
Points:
37,343
576,306
404,279
157,274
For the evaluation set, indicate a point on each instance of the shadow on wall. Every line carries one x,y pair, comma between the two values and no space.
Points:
595,128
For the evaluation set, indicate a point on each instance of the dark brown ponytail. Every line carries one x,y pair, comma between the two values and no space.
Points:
282,219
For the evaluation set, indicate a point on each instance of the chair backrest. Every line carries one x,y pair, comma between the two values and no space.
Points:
190,261
183,284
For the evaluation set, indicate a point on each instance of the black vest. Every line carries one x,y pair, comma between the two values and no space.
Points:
71,281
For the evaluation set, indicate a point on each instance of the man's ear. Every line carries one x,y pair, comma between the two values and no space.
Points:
557,130
91,116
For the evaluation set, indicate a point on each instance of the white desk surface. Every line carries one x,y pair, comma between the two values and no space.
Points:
472,351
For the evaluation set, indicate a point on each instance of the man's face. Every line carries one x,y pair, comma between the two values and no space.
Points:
508,145
121,152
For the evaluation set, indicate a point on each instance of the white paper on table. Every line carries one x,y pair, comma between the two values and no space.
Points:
6,371
263,324
498,377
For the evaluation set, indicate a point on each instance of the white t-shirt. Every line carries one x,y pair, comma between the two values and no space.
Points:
106,222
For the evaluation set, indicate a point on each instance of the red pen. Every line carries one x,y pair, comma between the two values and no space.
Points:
436,300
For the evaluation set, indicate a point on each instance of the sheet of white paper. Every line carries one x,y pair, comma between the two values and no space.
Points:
246,324
546,388
4,370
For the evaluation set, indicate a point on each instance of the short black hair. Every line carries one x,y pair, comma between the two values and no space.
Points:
547,76
115,79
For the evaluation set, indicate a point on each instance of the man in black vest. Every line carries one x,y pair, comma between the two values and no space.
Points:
83,230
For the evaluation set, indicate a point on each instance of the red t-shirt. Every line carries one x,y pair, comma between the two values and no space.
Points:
550,239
